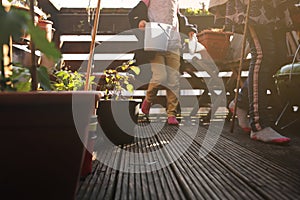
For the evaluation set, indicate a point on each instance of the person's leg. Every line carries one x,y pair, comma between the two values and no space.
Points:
260,78
159,75
172,68
263,51
243,101
242,108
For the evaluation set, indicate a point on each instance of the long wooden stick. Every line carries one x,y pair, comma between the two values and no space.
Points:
92,47
33,69
240,66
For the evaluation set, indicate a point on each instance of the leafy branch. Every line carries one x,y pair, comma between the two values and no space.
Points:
117,81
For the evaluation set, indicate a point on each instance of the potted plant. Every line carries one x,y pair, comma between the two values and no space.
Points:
216,42
118,111
43,133
66,80
199,16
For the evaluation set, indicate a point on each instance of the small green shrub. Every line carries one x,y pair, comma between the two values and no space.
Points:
117,81
66,80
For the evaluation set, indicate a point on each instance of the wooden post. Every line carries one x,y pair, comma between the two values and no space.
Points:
92,46
1,60
240,66
33,70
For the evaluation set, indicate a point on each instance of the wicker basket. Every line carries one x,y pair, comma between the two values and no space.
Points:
216,43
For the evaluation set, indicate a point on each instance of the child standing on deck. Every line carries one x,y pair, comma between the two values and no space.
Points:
164,64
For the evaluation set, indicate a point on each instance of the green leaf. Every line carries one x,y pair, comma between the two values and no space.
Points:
58,86
129,88
38,36
13,23
71,86
23,86
124,67
43,78
130,62
135,69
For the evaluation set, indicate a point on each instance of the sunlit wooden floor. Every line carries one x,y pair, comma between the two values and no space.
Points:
195,160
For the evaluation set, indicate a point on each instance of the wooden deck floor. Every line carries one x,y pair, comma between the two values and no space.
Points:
191,162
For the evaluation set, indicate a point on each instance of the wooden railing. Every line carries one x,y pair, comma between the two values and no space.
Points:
113,50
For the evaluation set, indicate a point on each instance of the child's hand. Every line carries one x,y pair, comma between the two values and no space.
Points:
191,34
142,24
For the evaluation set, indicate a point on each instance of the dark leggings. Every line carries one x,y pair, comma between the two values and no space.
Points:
268,53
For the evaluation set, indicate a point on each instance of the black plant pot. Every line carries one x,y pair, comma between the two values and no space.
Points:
43,139
117,119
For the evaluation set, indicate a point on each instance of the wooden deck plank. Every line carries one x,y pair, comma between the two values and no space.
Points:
204,176
142,182
267,178
171,190
151,183
213,174
228,171
162,176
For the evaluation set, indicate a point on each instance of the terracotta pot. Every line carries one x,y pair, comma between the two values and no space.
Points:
216,43
47,26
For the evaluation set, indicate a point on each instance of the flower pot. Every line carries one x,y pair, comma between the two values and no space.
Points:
46,25
43,137
117,119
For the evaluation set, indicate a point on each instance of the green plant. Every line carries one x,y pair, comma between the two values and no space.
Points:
66,80
117,81
19,79
196,12
14,22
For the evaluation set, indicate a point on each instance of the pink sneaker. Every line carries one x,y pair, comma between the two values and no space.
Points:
146,107
172,120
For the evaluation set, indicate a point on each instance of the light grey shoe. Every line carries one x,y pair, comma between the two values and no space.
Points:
269,135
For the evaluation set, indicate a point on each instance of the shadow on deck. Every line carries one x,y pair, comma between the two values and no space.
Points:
194,162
